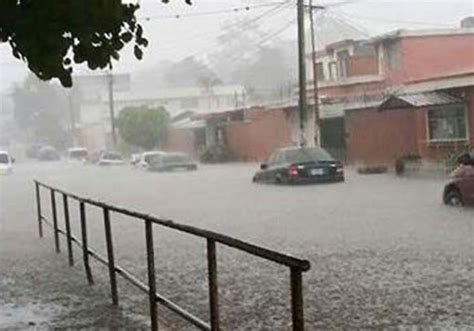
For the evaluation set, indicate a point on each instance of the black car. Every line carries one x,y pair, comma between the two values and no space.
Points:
172,161
300,165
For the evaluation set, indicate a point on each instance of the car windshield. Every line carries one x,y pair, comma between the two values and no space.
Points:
112,156
303,155
78,154
176,158
4,158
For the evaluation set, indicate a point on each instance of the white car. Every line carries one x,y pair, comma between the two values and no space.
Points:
78,154
6,163
111,158
147,158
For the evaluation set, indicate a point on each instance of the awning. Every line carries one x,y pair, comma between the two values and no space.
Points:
189,124
419,100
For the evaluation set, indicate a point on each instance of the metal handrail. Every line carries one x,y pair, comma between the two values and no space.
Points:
297,266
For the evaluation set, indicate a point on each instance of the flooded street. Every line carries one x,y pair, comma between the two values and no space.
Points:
384,251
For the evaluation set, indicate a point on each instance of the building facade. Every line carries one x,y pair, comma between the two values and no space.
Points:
361,83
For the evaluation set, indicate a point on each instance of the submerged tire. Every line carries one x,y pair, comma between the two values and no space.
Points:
453,198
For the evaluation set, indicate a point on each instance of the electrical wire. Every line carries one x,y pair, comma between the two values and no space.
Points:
212,12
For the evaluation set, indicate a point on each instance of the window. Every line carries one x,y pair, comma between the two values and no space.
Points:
447,123
342,58
333,70
393,55
320,71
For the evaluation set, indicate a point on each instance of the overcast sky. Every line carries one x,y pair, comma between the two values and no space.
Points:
194,33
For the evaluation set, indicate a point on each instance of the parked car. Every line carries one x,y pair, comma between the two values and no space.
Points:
6,163
460,189
147,158
48,153
78,154
300,165
172,161
135,158
111,158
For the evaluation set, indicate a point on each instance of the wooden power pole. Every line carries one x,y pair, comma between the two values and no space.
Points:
302,71
315,71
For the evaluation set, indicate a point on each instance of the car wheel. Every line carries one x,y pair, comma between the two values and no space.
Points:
278,179
453,198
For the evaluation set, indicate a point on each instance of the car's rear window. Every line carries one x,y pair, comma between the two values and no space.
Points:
303,155
176,158
4,158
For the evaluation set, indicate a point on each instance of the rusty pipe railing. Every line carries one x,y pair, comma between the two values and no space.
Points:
296,266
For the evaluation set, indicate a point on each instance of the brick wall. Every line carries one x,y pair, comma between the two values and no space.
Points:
260,134
180,140
380,137
360,65
436,56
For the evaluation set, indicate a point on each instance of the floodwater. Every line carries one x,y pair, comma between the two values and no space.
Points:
385,252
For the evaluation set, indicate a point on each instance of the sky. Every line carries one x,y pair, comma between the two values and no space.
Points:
194,32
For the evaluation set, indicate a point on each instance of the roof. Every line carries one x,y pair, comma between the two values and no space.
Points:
189,123
421,33
419,100
177,93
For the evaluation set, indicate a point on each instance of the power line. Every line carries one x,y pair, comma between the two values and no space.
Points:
214,12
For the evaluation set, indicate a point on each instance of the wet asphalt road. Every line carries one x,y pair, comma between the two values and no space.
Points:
385,252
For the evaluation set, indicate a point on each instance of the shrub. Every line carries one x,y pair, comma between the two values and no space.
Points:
217,154
452,159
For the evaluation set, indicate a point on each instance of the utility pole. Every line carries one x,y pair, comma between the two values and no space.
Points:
315,72
302,71
111,108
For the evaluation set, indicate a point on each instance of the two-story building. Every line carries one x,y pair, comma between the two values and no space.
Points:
406,92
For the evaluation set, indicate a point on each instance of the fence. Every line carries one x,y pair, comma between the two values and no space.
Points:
297,266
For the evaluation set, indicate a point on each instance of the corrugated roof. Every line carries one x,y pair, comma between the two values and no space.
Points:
419,100
429,99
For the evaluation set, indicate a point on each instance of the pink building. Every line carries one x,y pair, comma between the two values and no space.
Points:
359,82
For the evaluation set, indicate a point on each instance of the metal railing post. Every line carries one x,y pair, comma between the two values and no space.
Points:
38,209
110,256
150,256
213,287
85,249
55,221
68,230
297,299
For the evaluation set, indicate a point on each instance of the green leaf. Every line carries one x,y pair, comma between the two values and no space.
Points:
138,52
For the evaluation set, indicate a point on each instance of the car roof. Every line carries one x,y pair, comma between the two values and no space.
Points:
4,152
154,153
295,148
77,149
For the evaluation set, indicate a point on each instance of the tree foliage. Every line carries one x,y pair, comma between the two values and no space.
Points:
144,127
49,35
